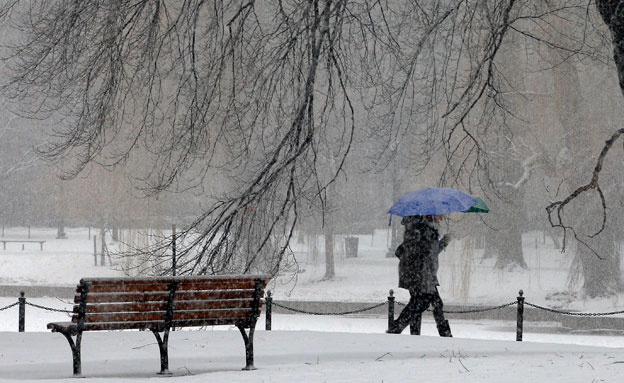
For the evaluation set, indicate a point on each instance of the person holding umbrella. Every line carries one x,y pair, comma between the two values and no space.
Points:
418,254
418,267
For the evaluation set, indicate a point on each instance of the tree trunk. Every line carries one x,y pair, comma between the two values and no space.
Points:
328,231
510,255
555,239
115,233
330,271
600,275
507,216
395,227
506,246
504,240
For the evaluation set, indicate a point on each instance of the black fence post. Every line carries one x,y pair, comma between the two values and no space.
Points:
22,311
269,303
391,310
520,317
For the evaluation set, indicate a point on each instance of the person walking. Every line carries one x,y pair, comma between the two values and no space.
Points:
418,268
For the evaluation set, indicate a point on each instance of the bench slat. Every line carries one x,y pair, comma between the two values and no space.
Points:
168,279
161,306
163,296
182,286
72,327
160,315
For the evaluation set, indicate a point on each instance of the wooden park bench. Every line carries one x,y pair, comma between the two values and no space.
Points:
4,242
160,303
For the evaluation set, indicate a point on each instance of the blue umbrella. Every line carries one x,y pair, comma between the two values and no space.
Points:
432,201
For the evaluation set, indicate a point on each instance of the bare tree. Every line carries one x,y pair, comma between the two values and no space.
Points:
207,91
612,13
238,98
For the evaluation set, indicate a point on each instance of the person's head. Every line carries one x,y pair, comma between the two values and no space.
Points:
434,218
412,222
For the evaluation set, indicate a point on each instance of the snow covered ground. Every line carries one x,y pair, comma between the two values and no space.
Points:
316,348
306,356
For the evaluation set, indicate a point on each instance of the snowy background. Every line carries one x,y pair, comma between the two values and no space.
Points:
466,278
317,348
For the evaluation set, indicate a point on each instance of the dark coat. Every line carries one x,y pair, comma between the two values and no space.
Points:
418,256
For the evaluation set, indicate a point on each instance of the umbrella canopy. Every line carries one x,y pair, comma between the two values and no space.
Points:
478,207
432,201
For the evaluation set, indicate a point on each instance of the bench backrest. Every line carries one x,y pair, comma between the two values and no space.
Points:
158,303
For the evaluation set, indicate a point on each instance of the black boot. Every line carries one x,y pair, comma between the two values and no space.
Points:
399,324
444,329
395,328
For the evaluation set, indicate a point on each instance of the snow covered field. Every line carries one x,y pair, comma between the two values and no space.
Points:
465,278
306,356
311,348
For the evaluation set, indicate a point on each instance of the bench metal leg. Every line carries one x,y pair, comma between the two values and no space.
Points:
164,354
249,357
75,348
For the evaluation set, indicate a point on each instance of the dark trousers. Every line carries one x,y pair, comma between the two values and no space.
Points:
412,314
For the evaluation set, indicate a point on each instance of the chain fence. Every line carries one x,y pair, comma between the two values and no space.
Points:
47,308
331,313
415,326
22,303
480,310
9,306
390,303
573,313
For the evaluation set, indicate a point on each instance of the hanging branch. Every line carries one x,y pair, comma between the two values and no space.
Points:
558,206
612,13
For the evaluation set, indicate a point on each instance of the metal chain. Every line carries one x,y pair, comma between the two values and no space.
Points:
9,306
48,308
470,311
572,313
482,310
338,313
